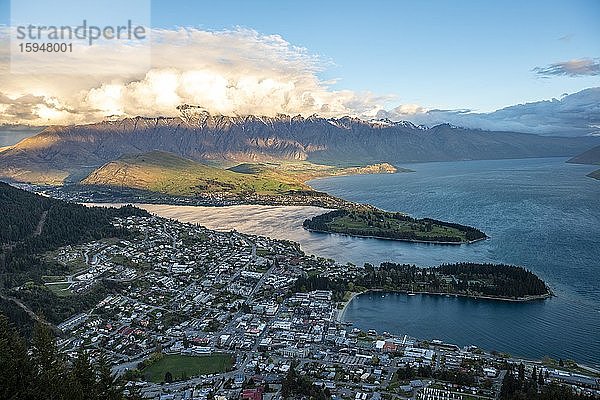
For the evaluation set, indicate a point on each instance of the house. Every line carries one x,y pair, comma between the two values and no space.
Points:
252,394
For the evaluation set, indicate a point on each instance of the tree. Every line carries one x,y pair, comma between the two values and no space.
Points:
134,392
49,366
15,367
83,375
168,377
107,388
41,371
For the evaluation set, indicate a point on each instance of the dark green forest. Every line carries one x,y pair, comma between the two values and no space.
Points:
30,225
495,280
517,385
61,223
40,371
391,225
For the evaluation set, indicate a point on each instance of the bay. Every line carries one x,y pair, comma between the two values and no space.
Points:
543,214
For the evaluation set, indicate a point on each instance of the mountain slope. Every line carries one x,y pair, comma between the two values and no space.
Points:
60,153
592,156
34,222
168,173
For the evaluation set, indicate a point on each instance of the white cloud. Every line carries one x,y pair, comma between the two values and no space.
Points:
226,72
572,68
238,72
572,115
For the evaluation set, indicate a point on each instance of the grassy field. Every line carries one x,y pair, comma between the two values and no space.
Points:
53,278
187,366
60,289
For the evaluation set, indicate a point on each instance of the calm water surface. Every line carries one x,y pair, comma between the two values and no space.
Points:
543,214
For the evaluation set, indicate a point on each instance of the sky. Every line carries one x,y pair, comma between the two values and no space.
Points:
442,54
426,61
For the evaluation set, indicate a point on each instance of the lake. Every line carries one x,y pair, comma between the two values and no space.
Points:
542,214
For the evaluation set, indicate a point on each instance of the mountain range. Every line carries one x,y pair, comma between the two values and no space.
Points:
61,154
592,157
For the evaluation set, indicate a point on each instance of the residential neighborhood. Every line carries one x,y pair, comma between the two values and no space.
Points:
185,293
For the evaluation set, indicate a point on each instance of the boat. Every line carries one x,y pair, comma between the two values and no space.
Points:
412,294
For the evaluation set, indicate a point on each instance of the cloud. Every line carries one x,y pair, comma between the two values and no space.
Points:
572,115
227,72
239,72
566,38
572,68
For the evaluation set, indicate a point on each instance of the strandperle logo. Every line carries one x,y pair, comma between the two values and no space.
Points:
76,37
85,31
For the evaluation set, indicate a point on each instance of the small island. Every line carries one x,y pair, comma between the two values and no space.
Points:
595,174
371,222
474,280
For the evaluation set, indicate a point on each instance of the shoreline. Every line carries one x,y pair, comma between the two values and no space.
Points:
340,315
342,311
397,239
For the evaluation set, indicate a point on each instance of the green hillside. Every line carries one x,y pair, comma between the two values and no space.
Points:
168,173
592,156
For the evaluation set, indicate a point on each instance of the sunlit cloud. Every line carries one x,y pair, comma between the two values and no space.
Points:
241,72
233,72
572,68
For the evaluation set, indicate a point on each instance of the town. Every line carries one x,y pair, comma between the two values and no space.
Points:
199,314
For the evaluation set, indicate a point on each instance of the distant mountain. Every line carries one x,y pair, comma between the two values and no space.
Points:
163,172
71,152
592,156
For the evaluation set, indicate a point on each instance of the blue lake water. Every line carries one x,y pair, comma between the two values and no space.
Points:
543,214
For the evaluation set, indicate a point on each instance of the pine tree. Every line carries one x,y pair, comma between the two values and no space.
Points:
41,371
49,366
15,367
521,373
83,375
107,387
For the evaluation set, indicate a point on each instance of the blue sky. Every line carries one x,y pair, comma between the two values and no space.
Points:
441,54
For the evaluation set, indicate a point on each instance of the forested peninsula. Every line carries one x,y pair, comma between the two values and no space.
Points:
371,222
492,281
